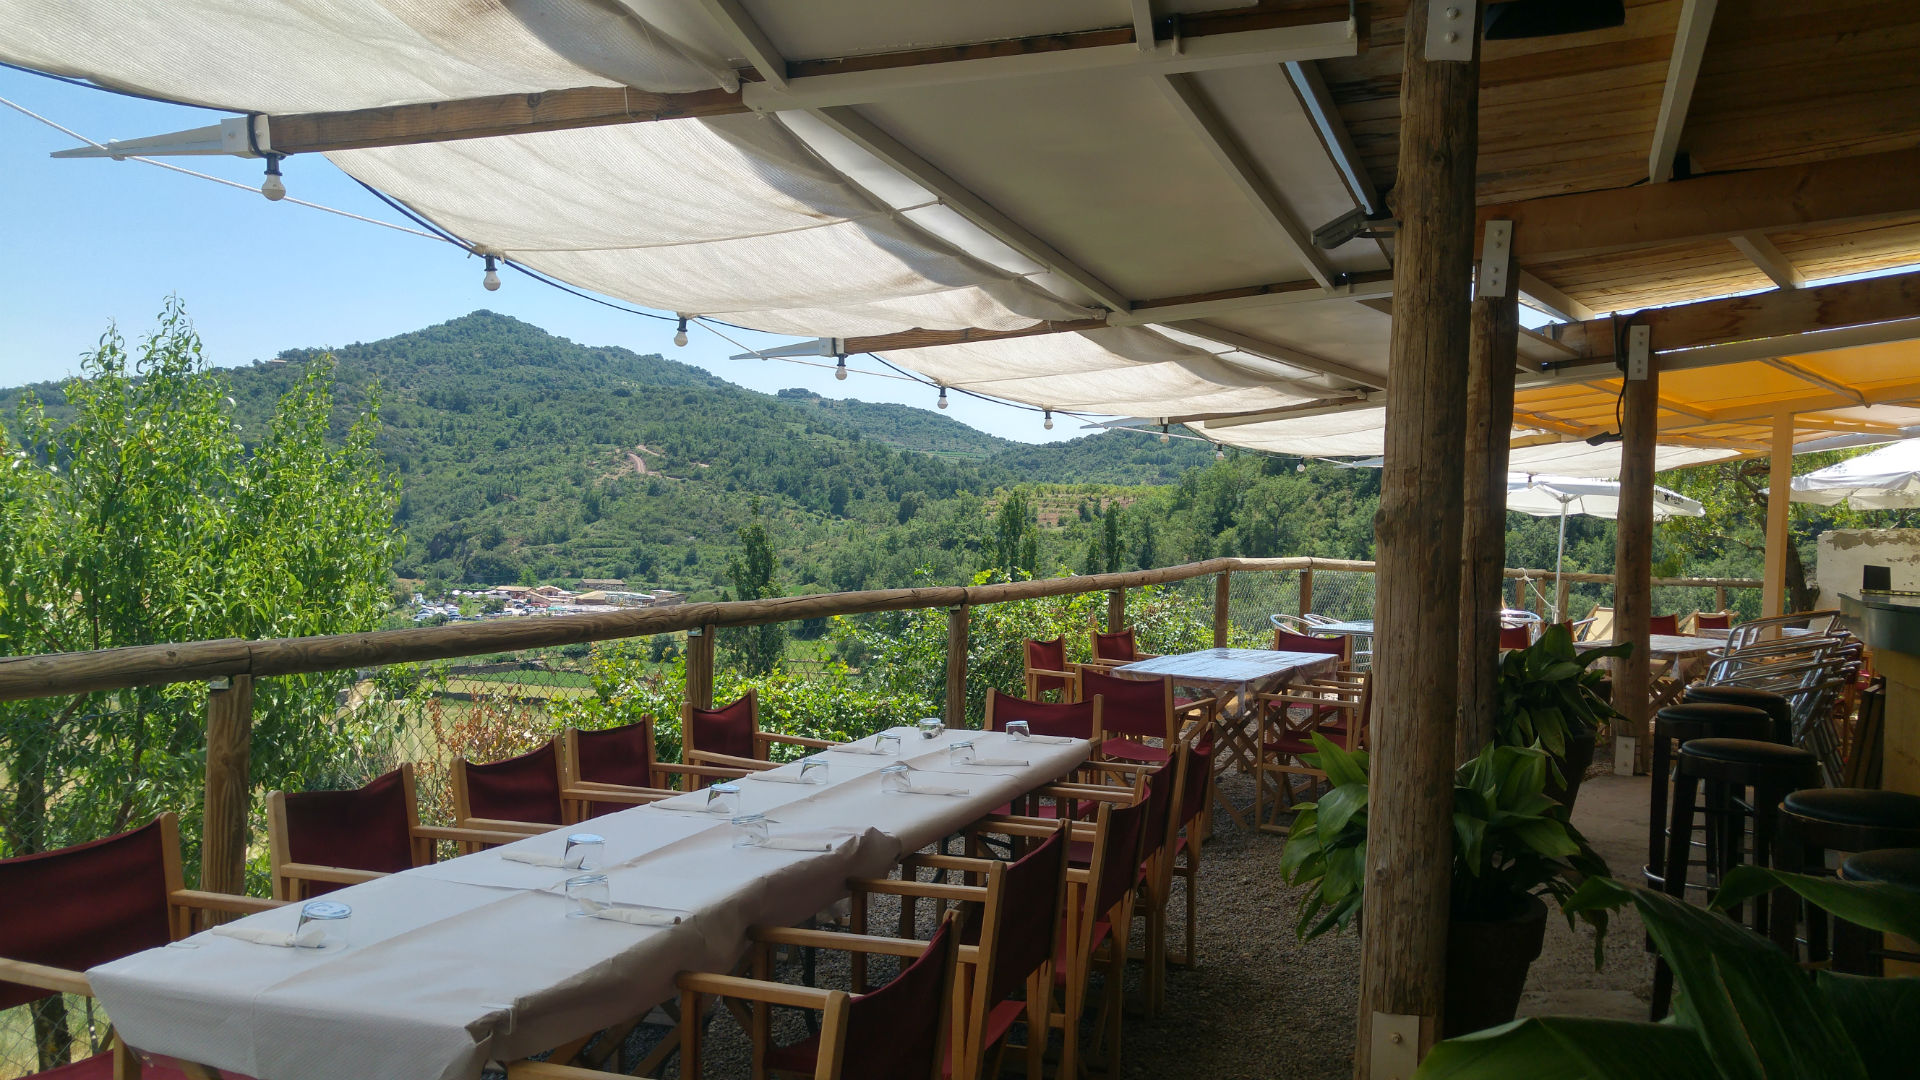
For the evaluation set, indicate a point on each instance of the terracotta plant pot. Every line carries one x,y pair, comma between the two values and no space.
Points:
1487,966
1573,767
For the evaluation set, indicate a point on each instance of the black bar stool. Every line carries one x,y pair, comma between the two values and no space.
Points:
1857,950
1676,725
1765,700
1818,820
1770,771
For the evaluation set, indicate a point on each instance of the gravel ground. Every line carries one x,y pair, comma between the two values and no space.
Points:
1260,1003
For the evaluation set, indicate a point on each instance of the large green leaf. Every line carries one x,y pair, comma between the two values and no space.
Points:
1338,806
1882,1015
1571,1048
1890,909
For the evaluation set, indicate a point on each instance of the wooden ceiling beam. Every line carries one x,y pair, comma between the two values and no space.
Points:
1712,207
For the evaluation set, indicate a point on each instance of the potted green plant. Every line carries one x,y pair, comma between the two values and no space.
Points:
1551,695
1743,1010
1512,846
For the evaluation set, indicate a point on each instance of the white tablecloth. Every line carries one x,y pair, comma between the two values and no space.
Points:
458,963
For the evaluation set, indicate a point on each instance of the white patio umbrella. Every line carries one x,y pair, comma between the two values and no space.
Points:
1559,496
1886,479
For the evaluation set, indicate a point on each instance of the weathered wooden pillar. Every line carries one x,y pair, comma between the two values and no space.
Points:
1222,608
1633,560
1562,594
1306,591
957,667
700,667
1116,610
223,838
1773,586
1492,354
1417,532
1719,598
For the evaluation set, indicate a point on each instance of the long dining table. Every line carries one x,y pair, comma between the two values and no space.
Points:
455,964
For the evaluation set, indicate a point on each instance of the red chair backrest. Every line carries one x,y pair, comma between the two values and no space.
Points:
1127,843
366,828
1712,620
1048,656
726,730
1663,624
524,788
895,1031
1072,719
1159,804
1029,916
83,905
1199,766
1288,642
1129,706
622,755
1515,637
1118,646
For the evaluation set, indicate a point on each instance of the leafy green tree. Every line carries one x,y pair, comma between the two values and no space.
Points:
146,517
1110,538
756,649
1015,547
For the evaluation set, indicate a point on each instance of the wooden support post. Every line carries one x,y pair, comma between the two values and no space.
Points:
1773,589
1493,352
1116,610
1417,531
1633,563
1562,597
700,667
957,667
1306,591
1719,598
223,842
1222,609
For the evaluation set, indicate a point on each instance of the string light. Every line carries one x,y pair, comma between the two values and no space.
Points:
273,187
840,370
1048,422
491,281
1165,438
1219,453
943,398
680,335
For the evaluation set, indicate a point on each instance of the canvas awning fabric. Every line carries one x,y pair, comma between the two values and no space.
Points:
1050,188
1884,479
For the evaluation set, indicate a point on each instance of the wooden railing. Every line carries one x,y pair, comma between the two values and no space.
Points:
229,666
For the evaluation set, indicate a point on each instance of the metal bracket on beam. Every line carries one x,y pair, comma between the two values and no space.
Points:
1450,29
230,137
1639,352
1495,254
826,346
1395,1045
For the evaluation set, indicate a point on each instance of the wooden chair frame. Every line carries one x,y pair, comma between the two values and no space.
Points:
1180,715
1347,695
1071,692
182,905
575,792
290,878
463,812
974,969
1186,840
763,742
1097,663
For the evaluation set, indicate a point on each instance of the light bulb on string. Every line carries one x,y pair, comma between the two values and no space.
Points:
1219,453
1164,437
1048,422
491,280
943,398
273,187
680,335
840,370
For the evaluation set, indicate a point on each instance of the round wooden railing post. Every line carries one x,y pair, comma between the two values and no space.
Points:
1116,610
223,837
957,667
1561,596
700,666
1306,591
1221,608
1719,598
1417,531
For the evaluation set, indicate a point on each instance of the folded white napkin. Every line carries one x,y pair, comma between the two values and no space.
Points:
780,778
801,842
862,747
637,916
1002,762
1055,739
535,858
917,786
310,935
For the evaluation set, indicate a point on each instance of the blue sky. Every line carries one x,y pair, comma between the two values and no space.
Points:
89,243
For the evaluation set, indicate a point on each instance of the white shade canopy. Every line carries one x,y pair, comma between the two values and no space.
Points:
1886,479
1551,496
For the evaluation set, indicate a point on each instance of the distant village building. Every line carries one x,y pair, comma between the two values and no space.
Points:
509,592
629,599
595,598
668,598
552,592
603,584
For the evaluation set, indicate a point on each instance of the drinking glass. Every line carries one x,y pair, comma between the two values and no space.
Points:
589,893
960,753
331,917
888,743
583,851
895,778
749,830
813,770
723,798
931,727
1019,730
